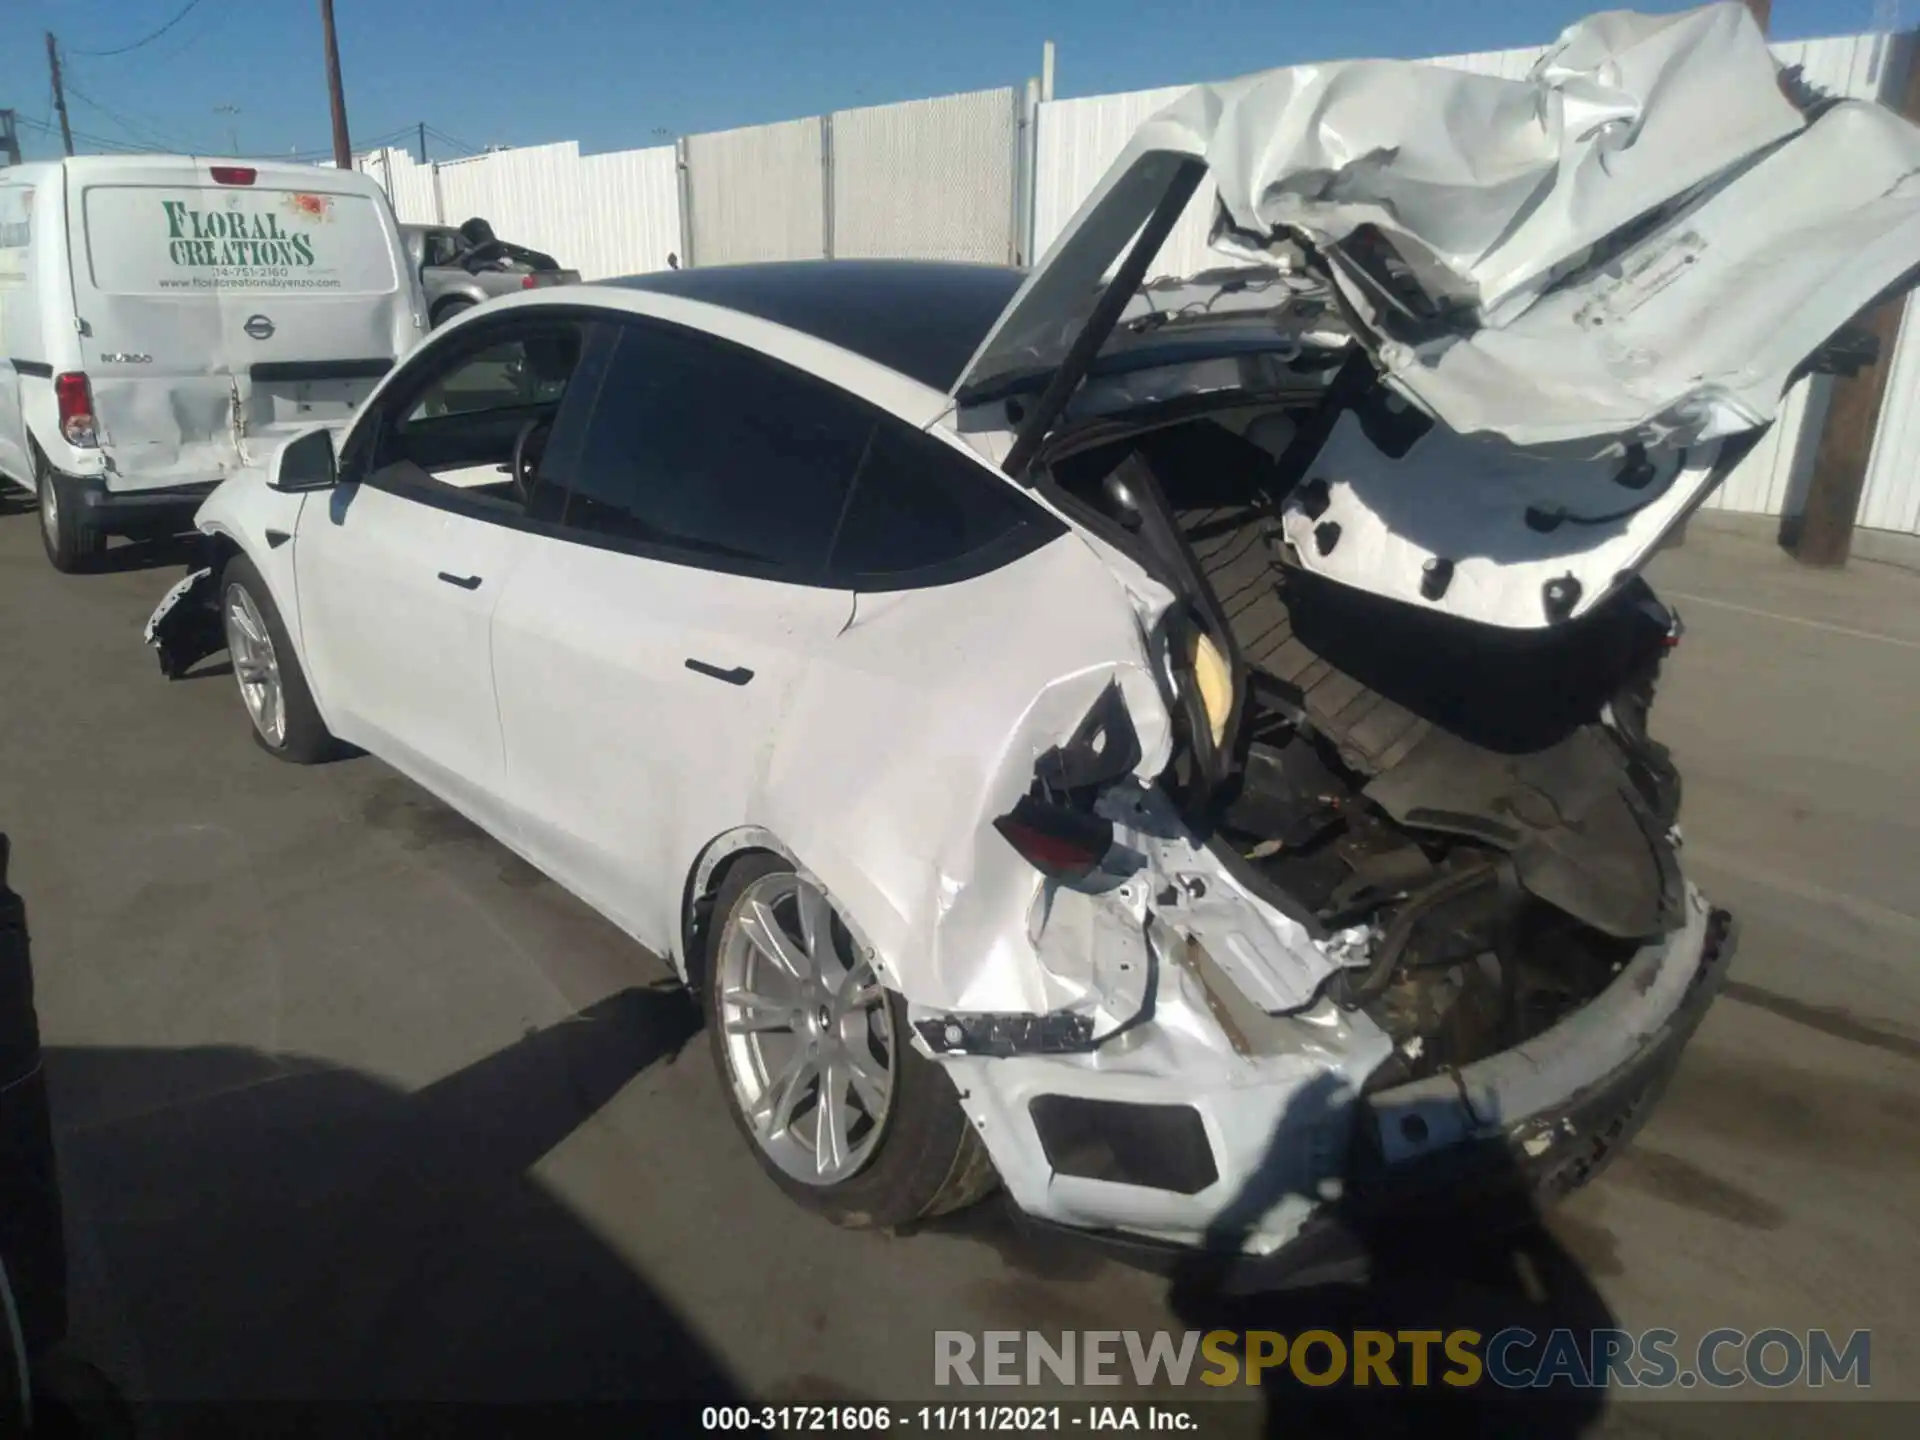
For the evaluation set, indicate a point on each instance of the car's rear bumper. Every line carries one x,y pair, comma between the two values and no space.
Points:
1302,1170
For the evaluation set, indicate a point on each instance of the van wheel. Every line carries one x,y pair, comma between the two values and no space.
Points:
447,309
818,1068
70,544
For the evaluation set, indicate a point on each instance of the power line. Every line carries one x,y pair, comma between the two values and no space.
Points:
457,144
185,11
139,129
167,146
386,138
101,140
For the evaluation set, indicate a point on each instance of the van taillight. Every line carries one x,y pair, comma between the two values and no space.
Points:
234,175
75,398
529,282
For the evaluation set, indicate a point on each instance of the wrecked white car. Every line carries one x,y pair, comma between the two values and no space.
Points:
1177,747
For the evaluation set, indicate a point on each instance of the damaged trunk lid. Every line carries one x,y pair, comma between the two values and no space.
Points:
1587,290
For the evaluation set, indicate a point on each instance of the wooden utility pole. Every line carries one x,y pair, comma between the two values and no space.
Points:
59,92
423,142
342,151
9,137
1825,531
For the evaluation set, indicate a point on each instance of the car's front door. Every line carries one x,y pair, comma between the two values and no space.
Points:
400,570
646,652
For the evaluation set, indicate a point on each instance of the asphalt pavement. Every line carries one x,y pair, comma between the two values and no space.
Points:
352,1103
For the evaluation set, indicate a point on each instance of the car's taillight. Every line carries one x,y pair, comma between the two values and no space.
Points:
1062,843
234,175
75,398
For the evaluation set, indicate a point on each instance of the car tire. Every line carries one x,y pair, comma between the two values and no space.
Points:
447,309
924,1158
273,688
71,545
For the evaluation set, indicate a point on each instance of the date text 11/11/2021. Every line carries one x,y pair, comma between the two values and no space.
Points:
939,1419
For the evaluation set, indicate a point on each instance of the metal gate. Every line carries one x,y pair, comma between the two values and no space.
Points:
756,194
929,179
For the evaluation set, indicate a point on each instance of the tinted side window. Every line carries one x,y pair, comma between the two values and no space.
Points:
458,412
529,370
919,506
700,446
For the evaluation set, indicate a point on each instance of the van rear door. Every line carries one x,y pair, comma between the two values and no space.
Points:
214,300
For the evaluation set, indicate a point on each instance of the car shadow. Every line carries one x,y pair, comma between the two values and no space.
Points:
1469,1256
277,1229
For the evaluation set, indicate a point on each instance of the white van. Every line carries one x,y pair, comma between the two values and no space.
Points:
157,312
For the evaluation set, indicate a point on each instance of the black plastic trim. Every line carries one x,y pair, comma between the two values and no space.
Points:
39,369
738,675
1159,1147
371,368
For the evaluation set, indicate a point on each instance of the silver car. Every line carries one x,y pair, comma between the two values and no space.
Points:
462,265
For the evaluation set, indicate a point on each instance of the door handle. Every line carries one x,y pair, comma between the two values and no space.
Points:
739,675
465,582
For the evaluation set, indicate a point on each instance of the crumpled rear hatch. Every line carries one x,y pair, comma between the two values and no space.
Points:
1596,282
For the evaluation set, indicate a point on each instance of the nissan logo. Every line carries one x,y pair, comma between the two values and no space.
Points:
259,327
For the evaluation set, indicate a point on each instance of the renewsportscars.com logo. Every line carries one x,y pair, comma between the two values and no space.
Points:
1513,1358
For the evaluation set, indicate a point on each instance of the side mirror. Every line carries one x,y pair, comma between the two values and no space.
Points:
305,463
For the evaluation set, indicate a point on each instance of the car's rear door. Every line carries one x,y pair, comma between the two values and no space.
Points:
400,570
646,651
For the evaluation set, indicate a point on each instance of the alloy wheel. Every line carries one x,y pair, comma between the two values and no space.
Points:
811,1053
50,510
255,667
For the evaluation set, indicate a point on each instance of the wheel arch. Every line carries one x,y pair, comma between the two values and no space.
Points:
709,873
228,526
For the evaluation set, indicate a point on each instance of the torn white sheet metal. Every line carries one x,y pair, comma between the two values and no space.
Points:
902,833
1695,331
1279,1116
1487,187
939,715
1269,956
1279,1124
1484,531
1509,202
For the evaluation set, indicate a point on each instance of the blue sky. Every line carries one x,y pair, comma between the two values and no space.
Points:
614,74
